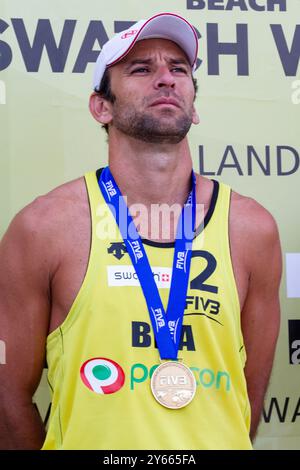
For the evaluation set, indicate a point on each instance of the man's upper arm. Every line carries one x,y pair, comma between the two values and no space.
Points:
261,311
24,308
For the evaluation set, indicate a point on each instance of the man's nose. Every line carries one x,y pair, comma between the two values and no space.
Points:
164,78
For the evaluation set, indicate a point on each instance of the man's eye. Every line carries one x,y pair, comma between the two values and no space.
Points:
179,69
140,70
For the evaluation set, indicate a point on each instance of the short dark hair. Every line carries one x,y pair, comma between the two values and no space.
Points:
106,92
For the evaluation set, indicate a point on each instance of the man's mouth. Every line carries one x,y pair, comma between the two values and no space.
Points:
164,101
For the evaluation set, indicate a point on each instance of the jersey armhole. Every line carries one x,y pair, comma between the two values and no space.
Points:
72,314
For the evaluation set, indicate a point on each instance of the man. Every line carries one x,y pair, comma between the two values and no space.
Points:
186,371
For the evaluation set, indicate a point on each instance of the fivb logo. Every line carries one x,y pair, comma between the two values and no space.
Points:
136,249
102,375
181,260
173,329
159,318
109,188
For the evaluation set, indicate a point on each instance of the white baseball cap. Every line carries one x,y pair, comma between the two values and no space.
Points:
164,25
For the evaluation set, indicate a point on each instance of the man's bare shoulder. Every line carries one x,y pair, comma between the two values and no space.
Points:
250,216
254,231
43,226
55,208
246,214
62,197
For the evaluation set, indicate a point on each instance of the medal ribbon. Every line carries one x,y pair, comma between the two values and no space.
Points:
166,325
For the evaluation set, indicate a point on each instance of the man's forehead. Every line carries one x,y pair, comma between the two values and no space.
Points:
147,48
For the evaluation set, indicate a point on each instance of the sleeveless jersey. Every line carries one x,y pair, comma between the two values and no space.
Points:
101,358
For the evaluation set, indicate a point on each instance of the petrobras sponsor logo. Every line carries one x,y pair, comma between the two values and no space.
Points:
136,249
120,275
159,318
102,375
206,378
181,260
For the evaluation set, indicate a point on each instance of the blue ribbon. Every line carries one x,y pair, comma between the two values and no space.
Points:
166,325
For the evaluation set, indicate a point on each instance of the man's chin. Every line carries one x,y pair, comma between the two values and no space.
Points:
162,135
154,127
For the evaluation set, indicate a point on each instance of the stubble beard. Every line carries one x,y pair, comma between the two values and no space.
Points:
165,129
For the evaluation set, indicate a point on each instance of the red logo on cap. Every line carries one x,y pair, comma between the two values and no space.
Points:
129,33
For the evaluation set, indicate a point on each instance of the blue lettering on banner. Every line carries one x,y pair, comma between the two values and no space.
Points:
289,58
283,160
5,51
122,25
242,5
58,48
285,411
87,54
238,48
44,37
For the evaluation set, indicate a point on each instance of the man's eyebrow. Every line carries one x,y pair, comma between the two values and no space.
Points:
170,60
137,62
183,61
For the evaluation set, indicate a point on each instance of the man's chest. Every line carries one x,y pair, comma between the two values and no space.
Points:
75,253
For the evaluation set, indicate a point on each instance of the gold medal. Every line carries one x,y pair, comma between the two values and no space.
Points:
173,385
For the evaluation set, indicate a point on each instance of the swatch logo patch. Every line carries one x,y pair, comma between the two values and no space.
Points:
102,375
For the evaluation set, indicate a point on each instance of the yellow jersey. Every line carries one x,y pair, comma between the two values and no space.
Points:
100,360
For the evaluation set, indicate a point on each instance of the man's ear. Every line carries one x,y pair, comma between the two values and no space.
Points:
195,117
100,108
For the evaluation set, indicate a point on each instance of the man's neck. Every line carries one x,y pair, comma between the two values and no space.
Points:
151,173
